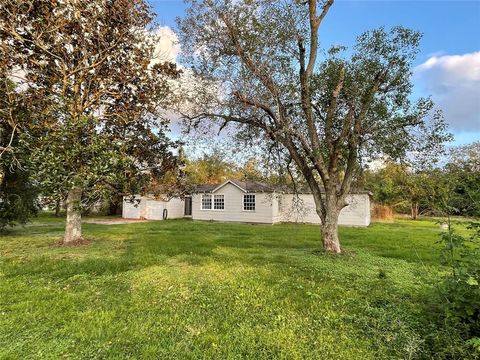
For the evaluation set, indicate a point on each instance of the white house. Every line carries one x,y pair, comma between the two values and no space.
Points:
249,202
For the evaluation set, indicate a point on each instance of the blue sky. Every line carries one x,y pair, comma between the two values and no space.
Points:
448,67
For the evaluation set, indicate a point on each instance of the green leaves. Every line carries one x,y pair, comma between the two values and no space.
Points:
18,193
472,281
460,287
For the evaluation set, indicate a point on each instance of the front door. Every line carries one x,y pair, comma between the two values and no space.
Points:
188,206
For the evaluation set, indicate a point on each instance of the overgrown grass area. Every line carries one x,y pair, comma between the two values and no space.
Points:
180,289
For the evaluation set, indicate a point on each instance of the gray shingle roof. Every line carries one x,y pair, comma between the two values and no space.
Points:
256,186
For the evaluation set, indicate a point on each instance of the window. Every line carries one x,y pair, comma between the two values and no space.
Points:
218,202
249,202
206,202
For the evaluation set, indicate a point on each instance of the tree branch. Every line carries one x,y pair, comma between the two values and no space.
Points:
256,104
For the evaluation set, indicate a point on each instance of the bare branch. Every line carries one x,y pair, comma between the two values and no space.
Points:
9,145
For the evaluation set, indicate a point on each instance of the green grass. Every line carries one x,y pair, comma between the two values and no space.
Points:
199,290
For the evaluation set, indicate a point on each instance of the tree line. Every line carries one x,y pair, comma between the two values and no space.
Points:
429,190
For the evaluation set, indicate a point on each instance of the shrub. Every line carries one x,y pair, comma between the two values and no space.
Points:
382,212
18,197
460,288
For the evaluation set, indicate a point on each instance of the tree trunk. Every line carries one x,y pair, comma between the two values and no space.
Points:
57,208
73,228
115,205
414,210
328,211
329,232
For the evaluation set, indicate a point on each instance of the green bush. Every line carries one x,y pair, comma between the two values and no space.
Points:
18,197
460,288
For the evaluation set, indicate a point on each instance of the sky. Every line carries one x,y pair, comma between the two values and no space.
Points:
447,68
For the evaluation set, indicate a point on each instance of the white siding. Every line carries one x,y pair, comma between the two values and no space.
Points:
154,209
175,208
269,208
151,209
133,210
234,207
357,213
277,203
301,209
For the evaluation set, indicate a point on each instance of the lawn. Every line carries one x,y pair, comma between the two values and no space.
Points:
193,290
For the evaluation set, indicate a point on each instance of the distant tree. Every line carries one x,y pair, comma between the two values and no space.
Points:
251,170
417,186
454,189
402,187
463,168
18,197
384,184
211,168
329,114
95,89
455,185
18,194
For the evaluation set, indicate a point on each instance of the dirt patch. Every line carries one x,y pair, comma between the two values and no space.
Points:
117,221
79,242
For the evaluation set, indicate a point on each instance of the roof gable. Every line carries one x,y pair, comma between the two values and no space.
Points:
243,186
229,182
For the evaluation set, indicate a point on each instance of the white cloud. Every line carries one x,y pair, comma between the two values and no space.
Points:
187,92
454,83
168,46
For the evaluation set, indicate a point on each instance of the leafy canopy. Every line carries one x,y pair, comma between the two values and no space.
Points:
94,87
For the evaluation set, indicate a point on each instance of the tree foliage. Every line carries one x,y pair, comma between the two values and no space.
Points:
460,288
453,186
18,194
211,168
464,170
216,168
401,187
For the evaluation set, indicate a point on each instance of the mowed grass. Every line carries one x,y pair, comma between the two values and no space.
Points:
180,289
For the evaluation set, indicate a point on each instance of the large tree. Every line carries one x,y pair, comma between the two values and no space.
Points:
329,110
95,88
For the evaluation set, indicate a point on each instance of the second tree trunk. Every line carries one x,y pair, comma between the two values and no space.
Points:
73,228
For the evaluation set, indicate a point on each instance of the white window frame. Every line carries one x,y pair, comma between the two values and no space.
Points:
218,196
254,203
202,202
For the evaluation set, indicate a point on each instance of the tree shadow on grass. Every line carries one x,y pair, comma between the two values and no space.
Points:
121,248
105,256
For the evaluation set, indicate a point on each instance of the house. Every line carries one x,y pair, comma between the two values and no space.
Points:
249,202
